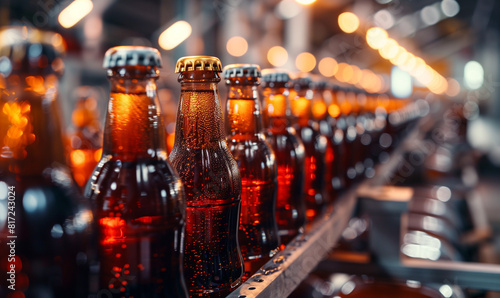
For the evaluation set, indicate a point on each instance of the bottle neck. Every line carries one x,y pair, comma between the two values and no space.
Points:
302,106
276,107
319,105
243,111
134,127
30,127
199,117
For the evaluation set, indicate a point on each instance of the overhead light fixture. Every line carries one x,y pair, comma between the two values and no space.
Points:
305,2
74,12
237,46
277,56
348,22
174,35
305,62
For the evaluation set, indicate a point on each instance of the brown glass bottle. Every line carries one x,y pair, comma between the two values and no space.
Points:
315,147
320,114
289,152
86,140
337,122
46,225
258,232
213,264
137,197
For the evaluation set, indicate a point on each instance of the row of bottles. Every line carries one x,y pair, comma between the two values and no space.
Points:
197,222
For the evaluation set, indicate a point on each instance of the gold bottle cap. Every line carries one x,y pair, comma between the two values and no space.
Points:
191,63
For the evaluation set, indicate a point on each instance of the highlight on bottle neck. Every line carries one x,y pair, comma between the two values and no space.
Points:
243,105
276,92
301,99
134,127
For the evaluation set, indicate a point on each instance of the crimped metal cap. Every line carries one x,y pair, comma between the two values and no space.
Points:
242,70
130,56
190,63
302,81
271,75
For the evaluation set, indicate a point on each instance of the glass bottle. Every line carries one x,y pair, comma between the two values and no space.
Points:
320,114
86,140
315,147
137,197
213,263
337,122
42,212
289,153
258,232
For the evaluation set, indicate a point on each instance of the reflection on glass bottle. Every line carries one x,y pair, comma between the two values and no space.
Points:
213,263
40,206
137,197
86,140
315,147
258,234
289,152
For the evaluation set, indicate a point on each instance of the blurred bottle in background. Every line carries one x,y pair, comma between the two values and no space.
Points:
315,147
213,263
86,140
43,212
258,232
289,153
138,198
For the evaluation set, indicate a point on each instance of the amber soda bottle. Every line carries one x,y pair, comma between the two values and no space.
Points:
258,232
315,147
45,223
137,197
320,114
213,264
86,140
289,153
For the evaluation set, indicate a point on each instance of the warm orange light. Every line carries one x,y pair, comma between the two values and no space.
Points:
74,12
345,72
376,37
77,157
174,35
328,67
401,57
277,56
305,62
237,46
390,49
348,22
334,110
356,75
453,87
98,155
305,2
319,109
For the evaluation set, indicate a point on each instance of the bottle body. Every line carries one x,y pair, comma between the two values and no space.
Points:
137,197
213,264
258,233
47,225
315,146
289,153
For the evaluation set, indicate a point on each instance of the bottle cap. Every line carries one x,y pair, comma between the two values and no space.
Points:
302,81
242,70
190,63
271,75
131,56
30,50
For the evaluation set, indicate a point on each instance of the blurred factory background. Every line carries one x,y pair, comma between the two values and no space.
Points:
447,47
